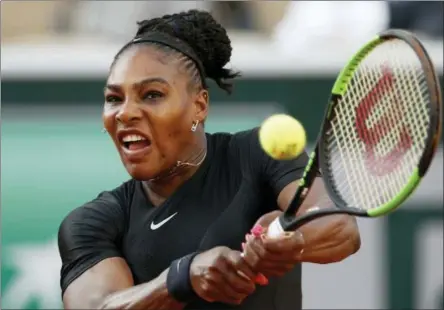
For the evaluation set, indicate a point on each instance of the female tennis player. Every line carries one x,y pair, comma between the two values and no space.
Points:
172,236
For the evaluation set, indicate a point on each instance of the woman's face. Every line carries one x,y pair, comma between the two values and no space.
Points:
149,110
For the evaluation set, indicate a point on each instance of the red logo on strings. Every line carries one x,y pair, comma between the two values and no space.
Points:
381,165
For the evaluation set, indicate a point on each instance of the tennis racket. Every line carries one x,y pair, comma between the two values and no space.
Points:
380,132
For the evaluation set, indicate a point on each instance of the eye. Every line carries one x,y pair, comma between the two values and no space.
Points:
112,99
153,95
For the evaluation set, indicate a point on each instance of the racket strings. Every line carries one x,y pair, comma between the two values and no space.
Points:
380,127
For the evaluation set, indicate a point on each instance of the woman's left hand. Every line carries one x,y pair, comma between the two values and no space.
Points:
272,256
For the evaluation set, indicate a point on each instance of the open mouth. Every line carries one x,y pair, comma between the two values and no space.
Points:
135,142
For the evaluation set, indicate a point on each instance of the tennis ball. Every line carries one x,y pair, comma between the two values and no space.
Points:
282,137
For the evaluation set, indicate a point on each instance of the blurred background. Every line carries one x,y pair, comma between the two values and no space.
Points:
54,60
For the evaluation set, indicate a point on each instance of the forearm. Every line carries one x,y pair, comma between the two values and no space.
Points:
151,295
330,239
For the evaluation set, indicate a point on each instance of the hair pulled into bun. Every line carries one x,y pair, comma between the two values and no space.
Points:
207,38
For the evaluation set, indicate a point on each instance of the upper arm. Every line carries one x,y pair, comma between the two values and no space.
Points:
92,264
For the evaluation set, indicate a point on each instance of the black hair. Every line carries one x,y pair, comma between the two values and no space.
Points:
207,38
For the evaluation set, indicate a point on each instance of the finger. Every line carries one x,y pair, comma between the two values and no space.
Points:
250,256
243,268
210,292
270,263
239,263
236,284
257,246
222,291
239,284
239,274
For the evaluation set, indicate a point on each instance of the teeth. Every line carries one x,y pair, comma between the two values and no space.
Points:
133,138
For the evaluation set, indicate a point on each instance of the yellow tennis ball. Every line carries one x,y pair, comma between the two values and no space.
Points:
282,137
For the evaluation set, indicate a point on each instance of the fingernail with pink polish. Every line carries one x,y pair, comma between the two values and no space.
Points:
257,230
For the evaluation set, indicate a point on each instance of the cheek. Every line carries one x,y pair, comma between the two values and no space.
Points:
108,115
174,114
109,123
173,128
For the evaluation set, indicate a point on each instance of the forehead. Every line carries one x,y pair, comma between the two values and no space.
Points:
140,62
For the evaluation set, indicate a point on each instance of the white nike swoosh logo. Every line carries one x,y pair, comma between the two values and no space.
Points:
158,225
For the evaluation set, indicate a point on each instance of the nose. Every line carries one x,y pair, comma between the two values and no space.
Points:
129,112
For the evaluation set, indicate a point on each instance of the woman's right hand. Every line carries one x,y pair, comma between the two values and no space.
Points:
222,275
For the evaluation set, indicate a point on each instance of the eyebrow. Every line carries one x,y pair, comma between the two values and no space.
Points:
139,84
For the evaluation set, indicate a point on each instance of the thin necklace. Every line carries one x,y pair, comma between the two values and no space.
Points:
182,163
179,164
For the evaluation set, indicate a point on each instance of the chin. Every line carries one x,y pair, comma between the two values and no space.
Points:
141,172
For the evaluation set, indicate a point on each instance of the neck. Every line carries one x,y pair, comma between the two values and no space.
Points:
164,185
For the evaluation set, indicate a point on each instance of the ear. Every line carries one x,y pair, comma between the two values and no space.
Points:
201,105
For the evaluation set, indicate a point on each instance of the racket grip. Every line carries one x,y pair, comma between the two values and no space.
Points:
275,229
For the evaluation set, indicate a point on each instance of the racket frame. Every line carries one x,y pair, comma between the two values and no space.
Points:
318,158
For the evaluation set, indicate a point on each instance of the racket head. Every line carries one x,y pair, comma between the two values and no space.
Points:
358,172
